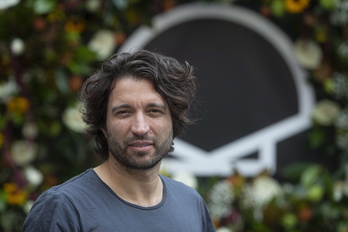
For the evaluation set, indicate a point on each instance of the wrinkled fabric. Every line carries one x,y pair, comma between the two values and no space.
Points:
85,203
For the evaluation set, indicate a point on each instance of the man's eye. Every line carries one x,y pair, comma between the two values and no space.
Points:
122,112
155,112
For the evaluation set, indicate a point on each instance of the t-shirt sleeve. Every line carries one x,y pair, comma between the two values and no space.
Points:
207,220
53,212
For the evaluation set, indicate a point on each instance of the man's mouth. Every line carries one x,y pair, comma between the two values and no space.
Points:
141,145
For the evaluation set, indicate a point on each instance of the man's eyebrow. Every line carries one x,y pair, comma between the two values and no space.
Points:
127,106
157,105
122,106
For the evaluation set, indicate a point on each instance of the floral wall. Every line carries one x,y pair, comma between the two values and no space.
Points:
49,47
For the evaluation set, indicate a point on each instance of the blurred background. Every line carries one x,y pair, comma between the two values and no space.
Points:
48,48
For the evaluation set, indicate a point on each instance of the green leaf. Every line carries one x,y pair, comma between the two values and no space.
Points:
61,80
310,176
55,128
84,54
293,171
289,221
2,201
79,68
315,193
278,8
316,138
328,4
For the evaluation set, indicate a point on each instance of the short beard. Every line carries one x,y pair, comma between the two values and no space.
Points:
128,160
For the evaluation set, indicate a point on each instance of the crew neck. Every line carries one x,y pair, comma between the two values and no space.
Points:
159,205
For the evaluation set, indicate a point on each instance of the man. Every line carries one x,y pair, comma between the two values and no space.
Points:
135,104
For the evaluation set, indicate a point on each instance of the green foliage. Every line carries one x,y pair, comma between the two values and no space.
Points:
46,54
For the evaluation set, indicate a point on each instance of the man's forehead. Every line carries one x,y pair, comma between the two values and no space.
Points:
127,90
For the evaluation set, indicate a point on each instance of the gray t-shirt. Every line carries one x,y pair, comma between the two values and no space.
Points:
86,203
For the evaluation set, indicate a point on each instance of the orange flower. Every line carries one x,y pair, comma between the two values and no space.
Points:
169,4
19,105
10,187
17,198
120,37
39,23
76,27
1,139
14,195
75,83
305,214
296,6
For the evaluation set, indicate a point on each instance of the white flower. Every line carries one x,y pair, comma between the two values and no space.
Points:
93,5
342,141
343,49
8,3
33,176
72,118
27,206
341,120
17,46
186,178
258,194
223,229
220,199
8,90
308,53
325,111
30,130
250,201
339,16
340,190
23,152
103,44
340,85
264,189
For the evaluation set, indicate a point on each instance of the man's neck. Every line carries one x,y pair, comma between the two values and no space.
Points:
140,187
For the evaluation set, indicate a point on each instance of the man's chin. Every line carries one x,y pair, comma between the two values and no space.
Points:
144,164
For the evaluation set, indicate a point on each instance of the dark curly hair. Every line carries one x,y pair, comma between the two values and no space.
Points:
173,80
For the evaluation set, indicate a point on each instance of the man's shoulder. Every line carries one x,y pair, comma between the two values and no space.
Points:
74,185
69,194
178,187
56,207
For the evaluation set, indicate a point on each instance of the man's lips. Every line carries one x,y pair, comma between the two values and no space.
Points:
141,145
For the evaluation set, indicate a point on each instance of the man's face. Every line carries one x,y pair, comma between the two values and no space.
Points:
138,124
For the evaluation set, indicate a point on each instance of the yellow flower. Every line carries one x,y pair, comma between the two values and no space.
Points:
56,16
18,105
14,195
320,34
17,198
296,6
132,16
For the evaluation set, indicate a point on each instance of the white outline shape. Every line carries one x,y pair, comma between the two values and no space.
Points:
223,160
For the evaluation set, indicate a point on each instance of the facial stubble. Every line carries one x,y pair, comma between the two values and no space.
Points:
132,159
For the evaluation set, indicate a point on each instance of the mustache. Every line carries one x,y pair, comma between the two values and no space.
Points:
140,138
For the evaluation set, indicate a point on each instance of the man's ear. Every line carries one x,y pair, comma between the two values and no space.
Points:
104,131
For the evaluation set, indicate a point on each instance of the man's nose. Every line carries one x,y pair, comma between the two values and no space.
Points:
140,125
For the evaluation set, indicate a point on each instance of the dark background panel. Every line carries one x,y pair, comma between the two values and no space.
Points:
245,85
